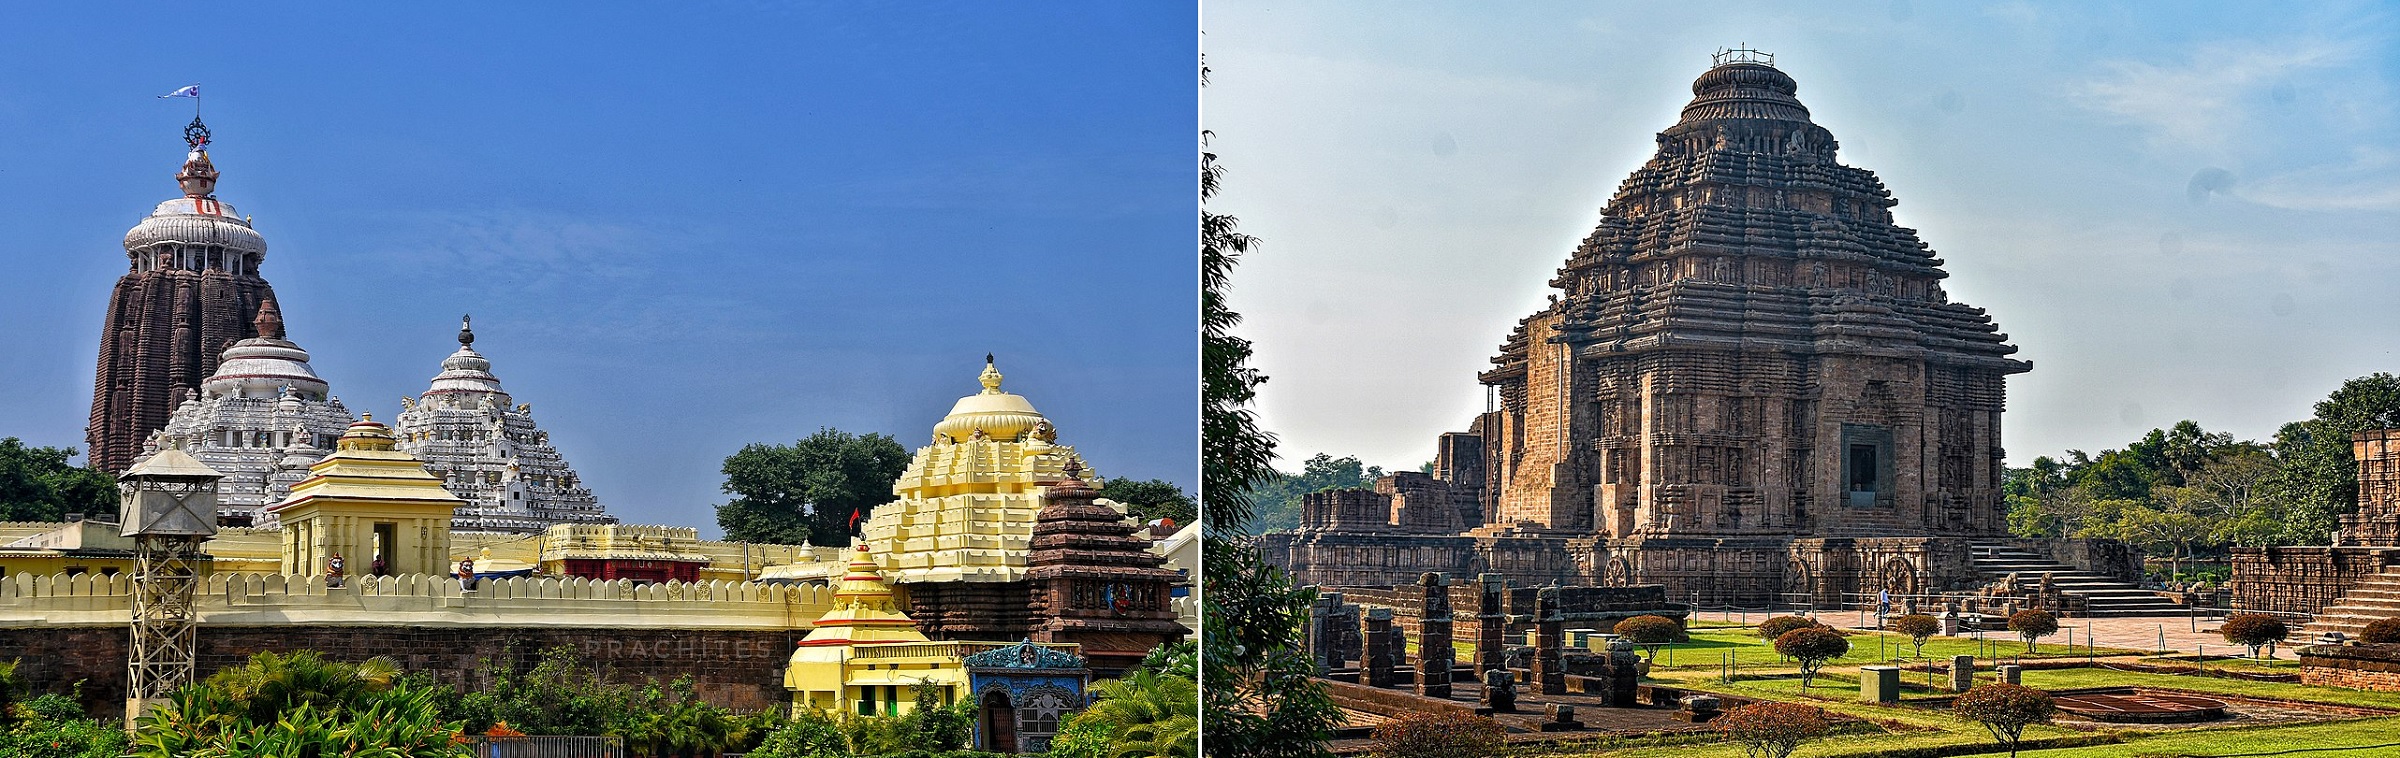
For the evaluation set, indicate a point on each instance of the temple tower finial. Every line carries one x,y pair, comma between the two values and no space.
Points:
466,330
270,320
990,377
199,176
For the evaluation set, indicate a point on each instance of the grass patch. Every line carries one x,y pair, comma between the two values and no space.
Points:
1707,648
2057,679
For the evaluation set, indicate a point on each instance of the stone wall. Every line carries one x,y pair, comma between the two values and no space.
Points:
27,600
2363,667
732,668
2302,579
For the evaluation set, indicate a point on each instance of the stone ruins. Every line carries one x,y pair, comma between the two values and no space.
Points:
1748,387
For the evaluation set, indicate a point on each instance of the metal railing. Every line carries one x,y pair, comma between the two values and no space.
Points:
486,746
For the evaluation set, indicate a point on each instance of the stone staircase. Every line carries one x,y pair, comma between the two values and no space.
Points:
2091,595
2375,598
1868,522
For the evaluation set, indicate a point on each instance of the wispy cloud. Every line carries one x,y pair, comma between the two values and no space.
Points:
2369,181
2209,100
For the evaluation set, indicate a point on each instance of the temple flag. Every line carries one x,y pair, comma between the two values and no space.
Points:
191,91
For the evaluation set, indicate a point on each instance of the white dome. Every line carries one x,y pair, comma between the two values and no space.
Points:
262,367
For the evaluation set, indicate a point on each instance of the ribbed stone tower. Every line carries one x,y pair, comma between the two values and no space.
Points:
261,420
191,289
488,451
1748,350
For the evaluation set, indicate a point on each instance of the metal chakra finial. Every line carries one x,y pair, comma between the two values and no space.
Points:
1741,54
196,134
466,331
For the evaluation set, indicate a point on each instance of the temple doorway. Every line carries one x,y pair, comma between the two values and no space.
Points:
999,723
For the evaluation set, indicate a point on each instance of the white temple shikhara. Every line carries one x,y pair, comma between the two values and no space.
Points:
261,420
488,451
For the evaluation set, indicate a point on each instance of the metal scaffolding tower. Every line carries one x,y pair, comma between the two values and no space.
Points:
170,507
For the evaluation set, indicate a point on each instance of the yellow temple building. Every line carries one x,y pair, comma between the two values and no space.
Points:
967,501
371,504
866,656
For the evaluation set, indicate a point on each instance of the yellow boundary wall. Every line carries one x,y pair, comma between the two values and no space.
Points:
247,599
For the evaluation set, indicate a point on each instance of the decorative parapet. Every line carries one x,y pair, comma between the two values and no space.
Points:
244,599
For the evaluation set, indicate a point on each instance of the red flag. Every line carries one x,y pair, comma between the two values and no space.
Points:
854,519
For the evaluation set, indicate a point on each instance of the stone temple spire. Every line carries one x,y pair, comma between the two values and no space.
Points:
489,452
191,289
269,321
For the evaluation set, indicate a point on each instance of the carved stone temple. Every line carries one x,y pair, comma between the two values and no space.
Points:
261,420
191,288
1748,385
487,450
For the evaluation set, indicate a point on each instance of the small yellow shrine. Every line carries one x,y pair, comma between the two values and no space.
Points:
967,501
866,656
367,501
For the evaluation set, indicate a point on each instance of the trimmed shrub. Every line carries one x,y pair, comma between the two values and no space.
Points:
2005,710
1770,729
1772,629
1650,631
2032,624
2253,630
2381,632
1438,734
1812,647
1919,628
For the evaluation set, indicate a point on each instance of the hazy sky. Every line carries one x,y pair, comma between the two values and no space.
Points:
681,228
2176,211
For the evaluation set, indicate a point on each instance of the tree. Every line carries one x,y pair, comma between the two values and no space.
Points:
1262,699
1437,734
300,704
2319,478
1650,631
2032,624
1812,647
1773,628
2253,630
1151,715
1279,498
1919,628
38,484
2005,710
1771,730
2176,519
808,490
1149,499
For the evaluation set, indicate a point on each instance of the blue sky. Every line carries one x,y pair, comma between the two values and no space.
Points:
2177,210
678,232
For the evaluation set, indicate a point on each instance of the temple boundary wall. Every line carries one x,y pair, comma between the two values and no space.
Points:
244,599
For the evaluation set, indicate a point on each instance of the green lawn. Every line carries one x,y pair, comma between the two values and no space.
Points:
1837,690
1707,649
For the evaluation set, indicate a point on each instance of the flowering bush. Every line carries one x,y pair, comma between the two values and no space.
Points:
2005,710
1771,730
1812,647
2032,624
1438,734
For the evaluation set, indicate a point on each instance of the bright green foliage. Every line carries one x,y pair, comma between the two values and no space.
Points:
1263,701
564,695
1179,658
1149,499
812,734
53,726
1278,498
1438,734
1150,715
299,705
2005,710
1811,647
808,490
1080,738
38,484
